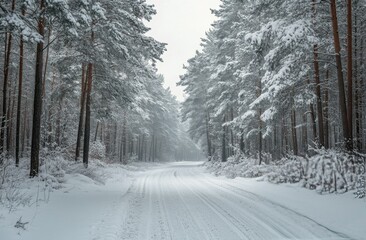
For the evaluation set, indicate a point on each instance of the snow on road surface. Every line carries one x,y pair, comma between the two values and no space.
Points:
180,202
169,201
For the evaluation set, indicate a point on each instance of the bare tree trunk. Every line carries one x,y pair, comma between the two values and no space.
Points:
242,144
50,135
209,153
10,139
342,96
96,132
5,85
305,132
81,115
25,127
313,122
19,104
124,139
260,136
326,111
294,134
37,109
317,85
350,73
58,124
46,63
87,114
260,124
223,147
358,106
361,100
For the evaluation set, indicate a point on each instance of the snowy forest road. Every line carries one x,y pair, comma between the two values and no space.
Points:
181,201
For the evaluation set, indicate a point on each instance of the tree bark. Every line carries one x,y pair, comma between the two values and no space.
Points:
87,115
294,134
46,63
342,96
350,73
361,100
19,103
5,85
358,89
223,147
81,115
305,132
317,85
37,105
326,111
209,153
124,139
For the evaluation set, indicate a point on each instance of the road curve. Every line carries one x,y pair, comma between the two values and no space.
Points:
179,201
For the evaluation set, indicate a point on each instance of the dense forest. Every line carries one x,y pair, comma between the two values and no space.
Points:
279,77
269,141
79,79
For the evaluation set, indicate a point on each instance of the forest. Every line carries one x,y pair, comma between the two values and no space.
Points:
282,80
79,79
269,141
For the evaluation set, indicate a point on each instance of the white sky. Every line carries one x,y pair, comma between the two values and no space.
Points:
181,24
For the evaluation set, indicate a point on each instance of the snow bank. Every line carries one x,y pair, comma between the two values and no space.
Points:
64,189
327,172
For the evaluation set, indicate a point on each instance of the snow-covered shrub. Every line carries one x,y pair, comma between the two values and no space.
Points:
238,166
97,150
94,170
328,171
287,170
11,179
331,171
11,197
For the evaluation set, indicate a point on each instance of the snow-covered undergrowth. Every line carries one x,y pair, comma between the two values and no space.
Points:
326,172
18,190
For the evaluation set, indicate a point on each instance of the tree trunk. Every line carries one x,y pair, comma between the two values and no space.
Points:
358,89
5,85
19,104
361,96
50,127
87,115
209,153
46,63
260,136
305,133
294,134
11,110
223,147
317,85
37,105
81,115
326,111
242,144
313,122
124,139
25,127
342,96
350,73
96,132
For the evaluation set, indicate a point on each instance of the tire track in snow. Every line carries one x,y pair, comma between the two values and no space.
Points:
180,202
292,216
240,228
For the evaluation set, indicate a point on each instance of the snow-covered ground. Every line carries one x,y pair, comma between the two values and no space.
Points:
183,201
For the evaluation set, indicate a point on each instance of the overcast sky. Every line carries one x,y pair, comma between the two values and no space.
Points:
181,24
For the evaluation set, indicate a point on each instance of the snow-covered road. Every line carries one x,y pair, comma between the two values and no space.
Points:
180,201
177,201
